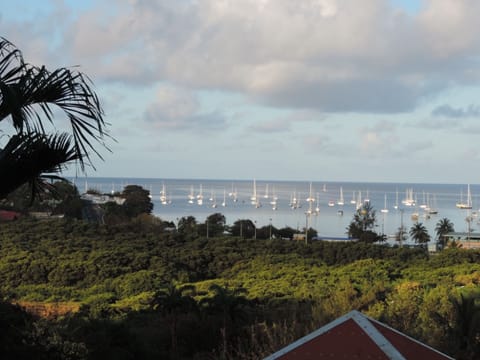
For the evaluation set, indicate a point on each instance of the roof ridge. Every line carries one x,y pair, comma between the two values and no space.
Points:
407,336
364,322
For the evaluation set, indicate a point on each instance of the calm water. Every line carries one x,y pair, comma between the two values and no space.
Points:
442,197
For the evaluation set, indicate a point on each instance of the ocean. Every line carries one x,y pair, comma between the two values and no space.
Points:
316,202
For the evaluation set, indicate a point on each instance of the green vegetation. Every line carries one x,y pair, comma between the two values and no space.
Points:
138,289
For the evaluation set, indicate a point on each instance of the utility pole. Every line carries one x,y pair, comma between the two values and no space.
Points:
401,227
306,227
270,237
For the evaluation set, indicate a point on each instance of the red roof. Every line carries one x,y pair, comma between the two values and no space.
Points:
357,336
6,215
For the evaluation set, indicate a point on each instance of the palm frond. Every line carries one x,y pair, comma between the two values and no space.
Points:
33,156
29,93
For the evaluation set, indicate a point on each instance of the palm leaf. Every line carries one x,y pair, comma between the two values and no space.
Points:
34,157
28,94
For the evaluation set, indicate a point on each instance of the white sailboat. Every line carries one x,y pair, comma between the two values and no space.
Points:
317,208
468,204
396,200
341,200
200,196
310,198
294,202
367,198
163,195
273,202
353,201
254,199
385,209
408,201
359,200
224,202
213,200
266,192
191,196
433,206
423,205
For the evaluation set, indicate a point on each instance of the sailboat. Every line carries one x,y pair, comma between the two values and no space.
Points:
293,200
191,196
353,201
408,201
468,204
385,209
213,199
423,205
163,195
200,196
367,198
317,208
254,199
310,198
433,206
396,200
224,202
359,200
341,200
273,202
266,192
310,201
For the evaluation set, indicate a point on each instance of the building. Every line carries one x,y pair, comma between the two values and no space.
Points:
465,240
6,215
357,336
335,239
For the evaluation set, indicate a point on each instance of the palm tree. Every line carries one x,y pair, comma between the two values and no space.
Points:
32,150
466,329
171,302
419,233
442,228
362,225
228,302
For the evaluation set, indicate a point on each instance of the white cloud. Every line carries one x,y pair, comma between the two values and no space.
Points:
333,55
178,109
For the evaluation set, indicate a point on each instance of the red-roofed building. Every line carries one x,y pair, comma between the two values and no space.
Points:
357,336
6,215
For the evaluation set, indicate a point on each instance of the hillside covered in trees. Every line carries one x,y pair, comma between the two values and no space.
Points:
139,290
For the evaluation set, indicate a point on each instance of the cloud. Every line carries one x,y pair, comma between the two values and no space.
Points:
328,55
451,112
272,126
176,109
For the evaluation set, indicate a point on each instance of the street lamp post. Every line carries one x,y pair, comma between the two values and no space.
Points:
306,227
401,227
270,237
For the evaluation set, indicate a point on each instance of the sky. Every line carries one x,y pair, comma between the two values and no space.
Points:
315,90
